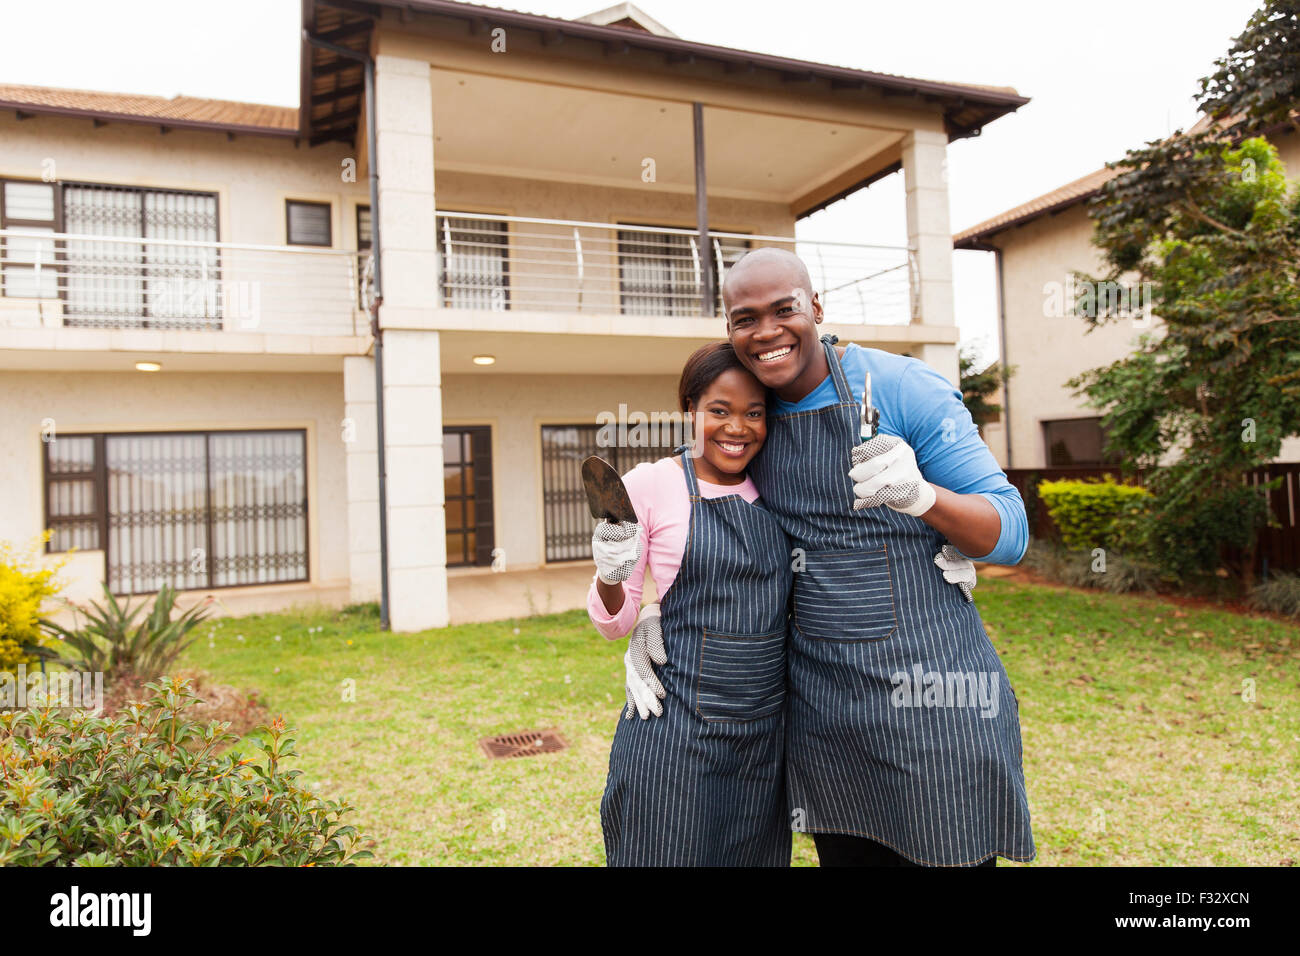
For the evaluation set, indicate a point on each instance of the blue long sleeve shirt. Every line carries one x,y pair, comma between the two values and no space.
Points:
921,407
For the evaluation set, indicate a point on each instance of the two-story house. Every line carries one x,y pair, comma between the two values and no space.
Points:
331,353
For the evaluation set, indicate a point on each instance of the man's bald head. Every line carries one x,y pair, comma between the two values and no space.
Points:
773,263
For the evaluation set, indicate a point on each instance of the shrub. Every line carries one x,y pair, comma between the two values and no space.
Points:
1279,594
1076,569
1086,511
145,789
24,586
112,642
1193,536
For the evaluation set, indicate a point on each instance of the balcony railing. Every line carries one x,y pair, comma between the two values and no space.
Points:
90,281
500,263
494,263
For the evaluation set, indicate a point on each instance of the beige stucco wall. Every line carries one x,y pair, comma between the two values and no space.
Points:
1048,351
251,175
98,401
508,196
516,407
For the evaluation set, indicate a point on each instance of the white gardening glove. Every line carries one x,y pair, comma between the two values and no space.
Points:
957,569
644,646
885,472
616,548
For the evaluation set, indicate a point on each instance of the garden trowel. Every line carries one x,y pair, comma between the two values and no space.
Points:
606,496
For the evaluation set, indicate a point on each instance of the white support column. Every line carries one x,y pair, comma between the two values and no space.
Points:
929,241
417,541
362,457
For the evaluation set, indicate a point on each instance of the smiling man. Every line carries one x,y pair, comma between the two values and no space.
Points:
874,781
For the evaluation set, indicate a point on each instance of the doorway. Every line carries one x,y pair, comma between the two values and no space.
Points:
467,488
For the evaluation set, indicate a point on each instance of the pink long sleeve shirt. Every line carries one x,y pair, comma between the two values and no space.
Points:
663,511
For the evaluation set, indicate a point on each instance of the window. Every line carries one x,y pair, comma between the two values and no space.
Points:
473,271
1076,441
564,502
28,266
467,489
365,268
125,281
659,272
364,229
73,482
308,223
189,509
731,249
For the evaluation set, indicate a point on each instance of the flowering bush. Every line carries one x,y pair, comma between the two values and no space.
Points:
24,585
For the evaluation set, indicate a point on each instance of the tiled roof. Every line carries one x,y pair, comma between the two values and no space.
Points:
180,110
1058,199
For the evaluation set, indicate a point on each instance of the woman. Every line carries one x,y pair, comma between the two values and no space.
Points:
703,783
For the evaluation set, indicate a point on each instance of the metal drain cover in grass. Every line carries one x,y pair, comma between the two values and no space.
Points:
525,743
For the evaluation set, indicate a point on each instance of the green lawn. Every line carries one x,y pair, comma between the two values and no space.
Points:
1139,748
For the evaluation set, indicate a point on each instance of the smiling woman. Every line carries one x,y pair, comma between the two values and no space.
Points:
700,783
728,409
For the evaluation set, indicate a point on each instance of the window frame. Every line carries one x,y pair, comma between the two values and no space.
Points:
99,476
329,223
146,316
55,225
566,521
1103,460
365,250
676,309
445,232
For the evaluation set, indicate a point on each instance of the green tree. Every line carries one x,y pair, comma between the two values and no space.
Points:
979,385
1206,225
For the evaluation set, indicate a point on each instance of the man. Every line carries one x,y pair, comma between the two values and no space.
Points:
903,736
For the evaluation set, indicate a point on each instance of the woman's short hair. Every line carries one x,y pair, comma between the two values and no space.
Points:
702,368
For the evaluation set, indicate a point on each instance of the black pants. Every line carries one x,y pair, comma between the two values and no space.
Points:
838,849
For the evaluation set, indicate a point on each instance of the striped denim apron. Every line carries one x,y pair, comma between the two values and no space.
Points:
704,785
901,724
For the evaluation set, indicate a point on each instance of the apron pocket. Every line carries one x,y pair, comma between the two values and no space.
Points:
742,676
845,596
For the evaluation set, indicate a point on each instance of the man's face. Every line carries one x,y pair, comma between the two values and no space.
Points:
772,324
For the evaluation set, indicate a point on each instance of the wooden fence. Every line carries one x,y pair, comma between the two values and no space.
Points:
1279,547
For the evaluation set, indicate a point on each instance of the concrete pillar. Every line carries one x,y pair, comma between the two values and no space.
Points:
417,540
929,241
361,449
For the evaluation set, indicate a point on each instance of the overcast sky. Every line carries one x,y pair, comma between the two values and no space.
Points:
1104,76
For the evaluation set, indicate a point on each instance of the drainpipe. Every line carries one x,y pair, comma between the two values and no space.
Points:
1002,347
707,308
376,332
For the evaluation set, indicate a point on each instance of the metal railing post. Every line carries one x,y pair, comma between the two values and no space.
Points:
577,246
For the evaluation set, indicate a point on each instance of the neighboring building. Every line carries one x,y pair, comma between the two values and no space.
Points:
1038,245
549,253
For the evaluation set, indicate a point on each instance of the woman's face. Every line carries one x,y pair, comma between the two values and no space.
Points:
730,420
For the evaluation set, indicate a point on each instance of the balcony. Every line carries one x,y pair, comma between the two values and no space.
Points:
545,296
59,280
514,263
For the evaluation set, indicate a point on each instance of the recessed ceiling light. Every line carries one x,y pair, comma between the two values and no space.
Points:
148,367
484,359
